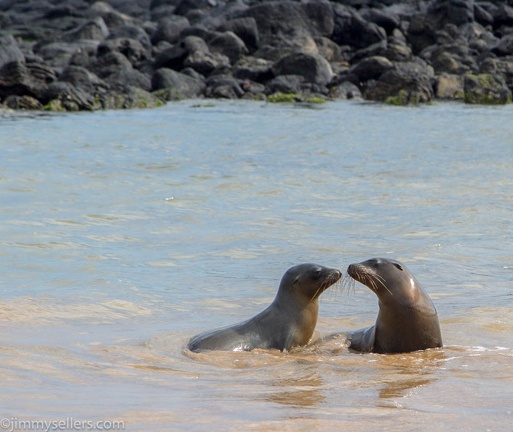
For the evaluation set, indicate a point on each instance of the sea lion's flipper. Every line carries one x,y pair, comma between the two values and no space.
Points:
362,340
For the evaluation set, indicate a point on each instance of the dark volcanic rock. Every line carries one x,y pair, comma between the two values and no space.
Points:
371,68
20,79
406,83
313,68
486,89
246,29
170,29
229,45
85,54
9,51
223,86
65,96
351,29
175,85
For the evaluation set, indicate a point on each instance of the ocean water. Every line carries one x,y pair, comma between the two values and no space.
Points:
124,233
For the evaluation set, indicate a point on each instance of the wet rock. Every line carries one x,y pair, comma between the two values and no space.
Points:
224,87
172,85
313,68
27,103
500,67
345,90
371,68
130,97
64,96
449,87
253,69
16,79
486,89
288,84
405,84
129,77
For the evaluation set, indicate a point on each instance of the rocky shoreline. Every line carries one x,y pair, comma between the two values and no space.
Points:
74,55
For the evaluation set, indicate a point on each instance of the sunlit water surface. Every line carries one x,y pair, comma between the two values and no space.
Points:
124,233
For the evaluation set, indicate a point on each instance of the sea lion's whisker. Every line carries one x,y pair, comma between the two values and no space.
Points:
381,280
348,284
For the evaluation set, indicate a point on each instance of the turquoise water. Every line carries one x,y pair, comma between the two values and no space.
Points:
124,233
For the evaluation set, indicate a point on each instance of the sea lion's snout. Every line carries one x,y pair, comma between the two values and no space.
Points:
336,275
352,271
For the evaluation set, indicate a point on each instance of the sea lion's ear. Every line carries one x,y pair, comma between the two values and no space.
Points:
399,266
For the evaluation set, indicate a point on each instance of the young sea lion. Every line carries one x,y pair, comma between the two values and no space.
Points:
407,319
288,322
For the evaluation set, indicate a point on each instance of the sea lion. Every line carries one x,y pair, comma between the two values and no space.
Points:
288,322
407,319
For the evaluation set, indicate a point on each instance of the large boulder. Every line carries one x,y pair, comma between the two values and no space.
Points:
351,29
169,29
229,45
64,96
172,85
223,87
21,79
254,69
406,83
246,29
370,68
504,47
449,87
289,24
312,67
486,89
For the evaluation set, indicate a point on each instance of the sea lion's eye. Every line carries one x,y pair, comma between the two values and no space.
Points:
398,266
317,274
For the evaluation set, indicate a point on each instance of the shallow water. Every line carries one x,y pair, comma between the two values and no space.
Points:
124,233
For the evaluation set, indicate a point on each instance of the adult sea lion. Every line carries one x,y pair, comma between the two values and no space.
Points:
407,319
288,322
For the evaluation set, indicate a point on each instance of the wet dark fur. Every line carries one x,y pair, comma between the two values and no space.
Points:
407,319
289,321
